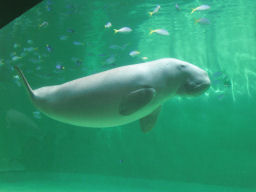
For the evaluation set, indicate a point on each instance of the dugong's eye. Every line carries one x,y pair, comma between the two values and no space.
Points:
182,67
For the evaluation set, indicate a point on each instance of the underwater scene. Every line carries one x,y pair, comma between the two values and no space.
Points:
185,124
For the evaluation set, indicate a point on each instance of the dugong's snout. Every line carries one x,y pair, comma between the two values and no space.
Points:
195,81
202,87
199,84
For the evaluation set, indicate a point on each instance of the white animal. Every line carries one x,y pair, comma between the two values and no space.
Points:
120,95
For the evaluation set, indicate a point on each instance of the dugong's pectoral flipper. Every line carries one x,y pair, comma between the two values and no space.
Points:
135,100
148,122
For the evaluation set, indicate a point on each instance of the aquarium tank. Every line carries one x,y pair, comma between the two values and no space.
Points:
197,143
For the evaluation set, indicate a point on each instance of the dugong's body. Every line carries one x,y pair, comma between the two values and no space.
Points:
121,95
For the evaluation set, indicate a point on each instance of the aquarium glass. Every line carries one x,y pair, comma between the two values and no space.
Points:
200,143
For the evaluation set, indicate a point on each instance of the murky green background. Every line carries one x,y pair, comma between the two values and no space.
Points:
206,143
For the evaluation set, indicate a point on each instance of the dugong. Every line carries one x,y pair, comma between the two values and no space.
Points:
120,95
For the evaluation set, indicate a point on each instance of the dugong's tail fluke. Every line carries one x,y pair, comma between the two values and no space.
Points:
25,82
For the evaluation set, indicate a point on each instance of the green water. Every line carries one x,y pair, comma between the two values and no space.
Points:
205,143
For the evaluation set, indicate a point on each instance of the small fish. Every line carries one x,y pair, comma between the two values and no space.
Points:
221,96
30,49
78,43
37,114
155,10
124,46
29,41
134,53
38,68
216,81
44,24
49,48
74,59
38,56
201,8
71,31
16,77
115,47
203,20
160,32
34,60
111,60
108,25
15,45
24,54
144,58
60,67
78,62
63,37
16,58
123,30
49,2
217,74
17,80
177,6
48,8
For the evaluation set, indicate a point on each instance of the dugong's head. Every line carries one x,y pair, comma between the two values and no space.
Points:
193,80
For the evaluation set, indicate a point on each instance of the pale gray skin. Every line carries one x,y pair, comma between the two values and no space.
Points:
120,95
